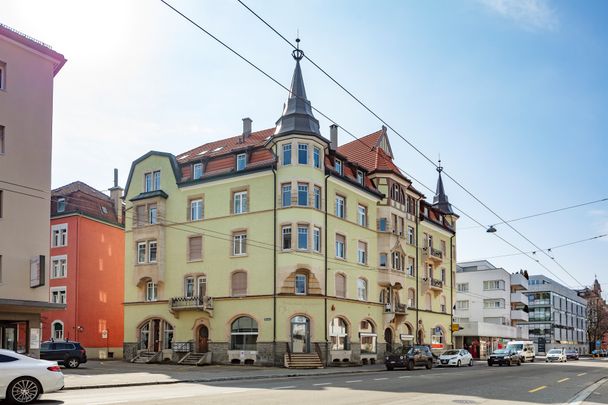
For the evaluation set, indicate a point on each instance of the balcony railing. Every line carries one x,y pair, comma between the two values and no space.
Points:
400,309
437,253
199,303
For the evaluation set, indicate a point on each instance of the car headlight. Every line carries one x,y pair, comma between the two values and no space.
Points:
387,358
400,357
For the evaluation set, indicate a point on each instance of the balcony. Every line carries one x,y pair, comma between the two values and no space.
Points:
391,278
392,311
177,304
519,282
519,315
519,298
434,284
434,255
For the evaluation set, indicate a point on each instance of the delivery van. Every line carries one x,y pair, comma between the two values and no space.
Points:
524,348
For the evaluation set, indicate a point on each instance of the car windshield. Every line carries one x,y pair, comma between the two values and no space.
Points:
570,351
502,351
451,353
555,351
401,350
515,346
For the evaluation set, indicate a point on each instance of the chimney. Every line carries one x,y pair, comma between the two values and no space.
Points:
333,137
246,127
116,196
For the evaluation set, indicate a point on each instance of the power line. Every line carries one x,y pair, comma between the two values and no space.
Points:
23,186
409,143
26,194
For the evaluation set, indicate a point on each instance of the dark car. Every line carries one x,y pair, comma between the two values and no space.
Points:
571,354
409,357
70,354
504,356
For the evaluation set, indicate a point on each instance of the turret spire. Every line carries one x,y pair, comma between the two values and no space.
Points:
440,201
297,115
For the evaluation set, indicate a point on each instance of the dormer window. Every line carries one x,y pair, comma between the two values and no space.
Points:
360,177
338,166
61,205
152,181
241,161
197,171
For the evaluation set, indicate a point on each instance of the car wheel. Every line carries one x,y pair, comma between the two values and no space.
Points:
458,364
389,368
510,363
23,390
471,363
72,362
410,365
429,364
519,363
489,363
532,361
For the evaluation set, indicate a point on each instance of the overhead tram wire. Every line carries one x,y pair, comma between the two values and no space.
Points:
408,142
333,121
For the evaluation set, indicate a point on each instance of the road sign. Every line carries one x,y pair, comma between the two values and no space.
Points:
456,327
104,334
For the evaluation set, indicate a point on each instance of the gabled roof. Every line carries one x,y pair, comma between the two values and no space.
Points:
80,198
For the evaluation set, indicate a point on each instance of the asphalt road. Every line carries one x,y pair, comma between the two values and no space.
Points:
531,383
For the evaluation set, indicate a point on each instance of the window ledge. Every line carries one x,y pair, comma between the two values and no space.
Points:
194,261
237,256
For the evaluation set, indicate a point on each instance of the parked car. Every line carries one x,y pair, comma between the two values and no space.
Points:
23,379
456,357
572,354
70,354
409,357
505,356
524,348
556,355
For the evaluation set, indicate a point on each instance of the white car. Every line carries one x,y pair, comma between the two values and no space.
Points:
456,357
23,379
556,355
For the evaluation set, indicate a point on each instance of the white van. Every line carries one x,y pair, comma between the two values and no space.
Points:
524,348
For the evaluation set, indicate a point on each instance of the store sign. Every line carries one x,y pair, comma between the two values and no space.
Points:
37,271
34,338
406,337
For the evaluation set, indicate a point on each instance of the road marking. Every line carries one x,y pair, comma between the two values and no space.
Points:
542,387
563,379
581,374
284,388
581,396
380,379
322,384
405,376
354,381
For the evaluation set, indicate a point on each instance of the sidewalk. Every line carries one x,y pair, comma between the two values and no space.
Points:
103,374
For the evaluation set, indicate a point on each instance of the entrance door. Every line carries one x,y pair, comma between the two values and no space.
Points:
9,338
388,338
203,339
156,335
300,334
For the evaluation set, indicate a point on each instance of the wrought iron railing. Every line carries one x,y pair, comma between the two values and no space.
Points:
191,302
436,283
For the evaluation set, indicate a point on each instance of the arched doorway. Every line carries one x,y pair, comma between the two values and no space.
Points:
155,335
388,338
300,334
202,339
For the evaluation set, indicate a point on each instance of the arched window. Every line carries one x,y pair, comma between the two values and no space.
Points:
155,334
428,302
338,332
239,283
57,330
244,334
411,298
368,337
340,285
362,289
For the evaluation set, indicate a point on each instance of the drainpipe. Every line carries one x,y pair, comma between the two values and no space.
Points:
274,274
417,213
452,278
326,273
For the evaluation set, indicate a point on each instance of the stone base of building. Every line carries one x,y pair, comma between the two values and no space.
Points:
104,353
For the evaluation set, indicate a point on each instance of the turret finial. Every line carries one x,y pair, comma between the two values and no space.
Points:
297,53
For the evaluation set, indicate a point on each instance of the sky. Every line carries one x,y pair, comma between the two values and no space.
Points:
512,94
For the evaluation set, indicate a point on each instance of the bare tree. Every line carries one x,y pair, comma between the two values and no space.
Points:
597,321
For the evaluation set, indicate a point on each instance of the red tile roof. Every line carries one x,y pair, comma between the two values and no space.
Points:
84,199
366,152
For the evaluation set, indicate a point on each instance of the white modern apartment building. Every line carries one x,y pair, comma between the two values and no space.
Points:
490,304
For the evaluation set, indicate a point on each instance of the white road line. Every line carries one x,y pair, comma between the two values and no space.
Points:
582,396
353,381
406,376
563,379
581,374
322,384
284,388
380,379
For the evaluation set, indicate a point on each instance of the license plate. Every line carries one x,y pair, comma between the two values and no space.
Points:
444,362
392,362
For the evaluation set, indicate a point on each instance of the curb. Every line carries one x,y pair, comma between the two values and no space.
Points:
220,379
582,396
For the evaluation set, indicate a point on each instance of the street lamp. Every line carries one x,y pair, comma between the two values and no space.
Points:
491,229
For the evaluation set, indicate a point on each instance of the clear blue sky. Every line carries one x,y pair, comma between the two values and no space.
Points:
511,93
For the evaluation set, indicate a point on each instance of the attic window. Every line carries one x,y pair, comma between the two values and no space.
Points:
61,204
203,152
338,166
218,149
104,210
360,177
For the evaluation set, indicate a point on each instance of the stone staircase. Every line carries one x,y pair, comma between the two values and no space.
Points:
192,359
302,360
146,357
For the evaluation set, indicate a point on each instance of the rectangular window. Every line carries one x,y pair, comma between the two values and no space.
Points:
395,224
152,247
197,171
340,246
360,177
340,206
156,180
59,235
410,266
61,204
462,287
2,140
302,153
303,194
58,295
382,224
59,266
316,239
300,287
362,252
383,259
462,304
239,244
489,304
316,157
302,237
152,214
411,239
338,166
493,285
151,291
286,193
286,154
241,162
286,237
362,215
317,197
189,287
140,215
196,210
195,248
148,182
141,252
401,226
2,76
443,275
239,201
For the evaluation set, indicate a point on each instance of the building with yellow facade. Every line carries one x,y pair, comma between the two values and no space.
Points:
279,247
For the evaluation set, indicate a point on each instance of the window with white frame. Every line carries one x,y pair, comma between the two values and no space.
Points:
57,330
189,287
239,244
58,295
61,204
302,154
240,202
286,237
362,252
141,252
152,251
340,246
316,239
340,206
338,167
411,238
197,171
196,209
362,215
462,287
462,304
286,194
302,237
302,194
59,266
383,259
152,181
151,291
317,198
362,289
316,157
286,154
493,303
152,214
241,161
59,235
493,285
410,266
360,177
301,284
